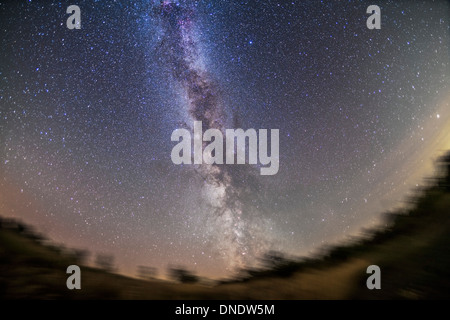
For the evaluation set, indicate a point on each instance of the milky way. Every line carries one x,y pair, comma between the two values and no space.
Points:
236,229
86,118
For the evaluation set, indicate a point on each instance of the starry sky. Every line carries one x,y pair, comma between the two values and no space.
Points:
86,118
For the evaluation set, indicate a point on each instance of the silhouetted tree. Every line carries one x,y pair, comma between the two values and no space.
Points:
272,259
444,164
22,228
277,264
105,262
182,275
81,255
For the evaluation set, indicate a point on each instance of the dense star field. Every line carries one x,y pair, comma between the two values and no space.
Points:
86,118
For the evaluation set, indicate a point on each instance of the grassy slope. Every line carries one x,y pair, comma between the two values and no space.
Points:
413,256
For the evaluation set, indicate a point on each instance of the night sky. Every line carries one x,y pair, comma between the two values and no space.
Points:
86,118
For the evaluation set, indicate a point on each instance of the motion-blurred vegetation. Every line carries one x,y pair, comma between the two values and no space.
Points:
412,250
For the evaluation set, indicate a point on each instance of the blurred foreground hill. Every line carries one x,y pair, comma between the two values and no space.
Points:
412,251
